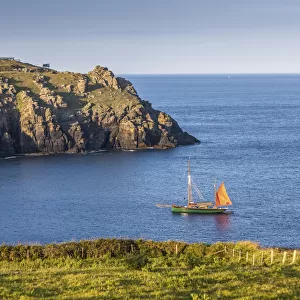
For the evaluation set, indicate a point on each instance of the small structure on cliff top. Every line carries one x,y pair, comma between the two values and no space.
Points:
46,66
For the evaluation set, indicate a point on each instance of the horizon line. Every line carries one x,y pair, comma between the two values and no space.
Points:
228,74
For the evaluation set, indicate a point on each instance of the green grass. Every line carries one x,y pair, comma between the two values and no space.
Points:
102,99
21,81
159,278
13,64
127,269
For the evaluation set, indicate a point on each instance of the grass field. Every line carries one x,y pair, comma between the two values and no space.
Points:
189,272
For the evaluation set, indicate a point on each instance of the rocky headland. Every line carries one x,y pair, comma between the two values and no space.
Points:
46,111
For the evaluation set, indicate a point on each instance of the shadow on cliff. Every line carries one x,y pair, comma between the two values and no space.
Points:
94,87
12,140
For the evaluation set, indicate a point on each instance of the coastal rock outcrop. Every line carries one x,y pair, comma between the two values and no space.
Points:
43,111
104,77
82,85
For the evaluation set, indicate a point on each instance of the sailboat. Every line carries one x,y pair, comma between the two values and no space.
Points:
222,200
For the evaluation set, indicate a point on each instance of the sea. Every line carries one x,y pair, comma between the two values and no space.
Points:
249,128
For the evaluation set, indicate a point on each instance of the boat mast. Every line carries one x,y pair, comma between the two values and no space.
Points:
215,191
190,195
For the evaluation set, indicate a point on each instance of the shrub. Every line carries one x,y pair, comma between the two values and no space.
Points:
136,261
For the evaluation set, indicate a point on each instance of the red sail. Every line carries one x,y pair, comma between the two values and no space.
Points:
222,199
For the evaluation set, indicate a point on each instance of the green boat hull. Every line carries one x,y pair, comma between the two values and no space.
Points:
182,209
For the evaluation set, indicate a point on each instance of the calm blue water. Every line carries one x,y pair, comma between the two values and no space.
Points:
249,127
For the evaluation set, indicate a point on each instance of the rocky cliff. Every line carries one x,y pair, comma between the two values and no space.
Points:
45,111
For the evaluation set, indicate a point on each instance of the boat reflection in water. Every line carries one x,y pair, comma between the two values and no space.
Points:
223,221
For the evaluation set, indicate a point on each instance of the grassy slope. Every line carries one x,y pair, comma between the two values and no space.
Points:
137,269
161,278
102,98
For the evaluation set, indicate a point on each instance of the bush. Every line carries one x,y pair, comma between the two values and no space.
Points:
190,261
136,261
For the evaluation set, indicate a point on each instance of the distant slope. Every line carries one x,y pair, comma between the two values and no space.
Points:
45,111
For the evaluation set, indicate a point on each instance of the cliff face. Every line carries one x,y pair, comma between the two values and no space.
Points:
44,111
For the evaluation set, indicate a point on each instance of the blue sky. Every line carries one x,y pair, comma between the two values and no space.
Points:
190,36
